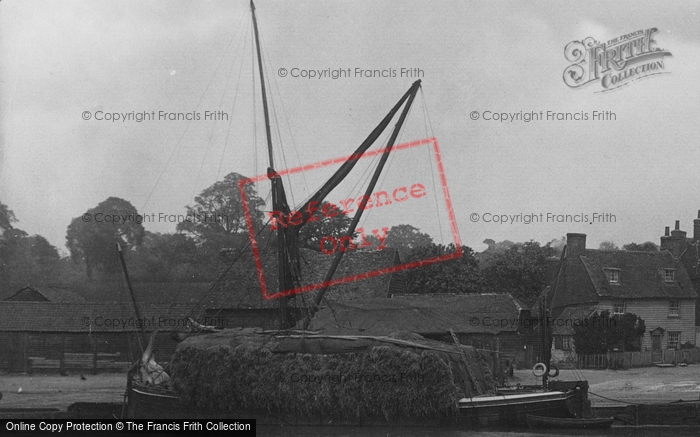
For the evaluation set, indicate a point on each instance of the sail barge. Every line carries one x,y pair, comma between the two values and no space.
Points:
148,395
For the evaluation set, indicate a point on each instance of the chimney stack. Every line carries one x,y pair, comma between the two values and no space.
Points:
677,233
696,227
575,245
676,242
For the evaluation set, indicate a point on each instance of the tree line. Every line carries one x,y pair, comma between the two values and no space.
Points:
193,252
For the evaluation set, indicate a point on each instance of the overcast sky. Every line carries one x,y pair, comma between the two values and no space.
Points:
59,59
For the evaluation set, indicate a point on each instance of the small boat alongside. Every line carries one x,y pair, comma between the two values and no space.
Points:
513,409
569,423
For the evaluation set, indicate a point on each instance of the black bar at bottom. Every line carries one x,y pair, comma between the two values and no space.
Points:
238,427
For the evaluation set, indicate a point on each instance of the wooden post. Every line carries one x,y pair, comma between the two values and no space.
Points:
497,362
139,318
24,351
94,356
62,360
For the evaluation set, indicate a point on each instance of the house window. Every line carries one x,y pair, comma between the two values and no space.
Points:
674,339
613,275
669,275
619,307
674,308
566,342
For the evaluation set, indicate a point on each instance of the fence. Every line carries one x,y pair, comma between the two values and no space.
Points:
625,360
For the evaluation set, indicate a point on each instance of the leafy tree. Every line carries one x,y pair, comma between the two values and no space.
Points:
322,225
7,217
24,259
626,332
644,247
459,275
218,212
590,335
405,238
499,247
93,241
43,256
521,270
601,333
608,245
10,239
557,245
492,251
166,258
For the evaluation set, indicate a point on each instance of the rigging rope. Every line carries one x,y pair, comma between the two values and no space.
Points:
233,107
178,144
426,122
213,125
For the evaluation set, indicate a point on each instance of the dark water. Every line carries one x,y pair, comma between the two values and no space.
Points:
337,431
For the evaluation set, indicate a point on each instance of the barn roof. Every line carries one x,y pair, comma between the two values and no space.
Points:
489,313
181,292
90,317
46,294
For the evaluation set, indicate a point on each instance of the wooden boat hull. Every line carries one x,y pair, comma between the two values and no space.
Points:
502,411
142,404
563,423
512,410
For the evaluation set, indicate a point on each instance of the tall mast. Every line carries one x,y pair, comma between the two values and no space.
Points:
279,202
262,87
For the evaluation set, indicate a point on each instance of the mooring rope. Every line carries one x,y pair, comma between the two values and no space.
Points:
625,402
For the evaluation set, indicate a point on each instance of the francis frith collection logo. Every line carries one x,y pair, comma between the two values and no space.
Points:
615,63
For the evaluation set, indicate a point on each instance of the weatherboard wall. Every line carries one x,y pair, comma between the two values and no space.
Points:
655,313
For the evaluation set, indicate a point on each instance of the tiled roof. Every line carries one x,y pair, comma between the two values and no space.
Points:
564,324
582,279
90,317
422,314
641,274
49,294
182,292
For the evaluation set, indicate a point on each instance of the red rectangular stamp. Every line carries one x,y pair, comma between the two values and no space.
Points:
404,196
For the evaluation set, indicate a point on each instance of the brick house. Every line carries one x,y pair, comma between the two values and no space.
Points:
653,285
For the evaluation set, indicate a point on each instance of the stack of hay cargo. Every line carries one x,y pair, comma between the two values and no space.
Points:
343,377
